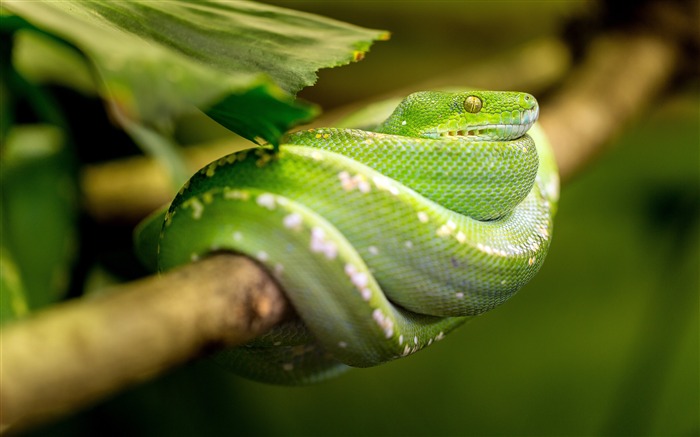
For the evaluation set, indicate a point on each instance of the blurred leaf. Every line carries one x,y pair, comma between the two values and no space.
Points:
160,146
38,212
159,59
29,143
6,111
13,299
245,37
42,59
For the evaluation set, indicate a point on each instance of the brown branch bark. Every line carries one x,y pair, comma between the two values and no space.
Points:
75,353
621,75
624,73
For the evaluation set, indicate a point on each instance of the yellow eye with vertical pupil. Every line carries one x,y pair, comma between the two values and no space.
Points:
472,104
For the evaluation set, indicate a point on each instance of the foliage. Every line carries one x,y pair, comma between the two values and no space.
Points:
152,63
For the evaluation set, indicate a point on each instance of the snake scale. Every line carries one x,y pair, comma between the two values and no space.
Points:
383,239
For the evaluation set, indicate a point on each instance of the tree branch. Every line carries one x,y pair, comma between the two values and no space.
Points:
67,356
75,353
621,75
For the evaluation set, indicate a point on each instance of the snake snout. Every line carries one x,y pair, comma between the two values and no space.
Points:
529,117
506,126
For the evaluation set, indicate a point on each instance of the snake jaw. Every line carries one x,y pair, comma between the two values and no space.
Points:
490,132
509,127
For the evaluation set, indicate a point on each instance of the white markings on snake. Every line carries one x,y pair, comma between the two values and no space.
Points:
446,229
461,237
234,194
384,183
266,200
292,221
350,183
360,280
320,244
384,322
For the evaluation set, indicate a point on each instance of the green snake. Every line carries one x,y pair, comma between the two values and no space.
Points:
384,239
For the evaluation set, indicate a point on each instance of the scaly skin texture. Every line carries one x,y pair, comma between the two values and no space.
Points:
384,241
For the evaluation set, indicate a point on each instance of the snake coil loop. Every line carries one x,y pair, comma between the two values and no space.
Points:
384,240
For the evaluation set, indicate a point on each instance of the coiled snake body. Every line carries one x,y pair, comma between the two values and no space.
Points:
383,240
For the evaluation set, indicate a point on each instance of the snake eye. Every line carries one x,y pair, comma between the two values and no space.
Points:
472,104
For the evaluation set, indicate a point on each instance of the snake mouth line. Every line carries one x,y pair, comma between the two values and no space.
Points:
509,128
488,132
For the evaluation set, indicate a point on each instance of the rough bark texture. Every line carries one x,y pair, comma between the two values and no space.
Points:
69,355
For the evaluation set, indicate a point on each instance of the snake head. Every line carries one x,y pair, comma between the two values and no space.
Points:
465,115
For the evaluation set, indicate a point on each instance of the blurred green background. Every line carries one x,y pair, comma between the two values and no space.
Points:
604,341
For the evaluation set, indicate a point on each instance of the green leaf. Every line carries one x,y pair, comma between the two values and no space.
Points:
13,299
245,37
256,118
41,59
160,146
38,205
158,60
